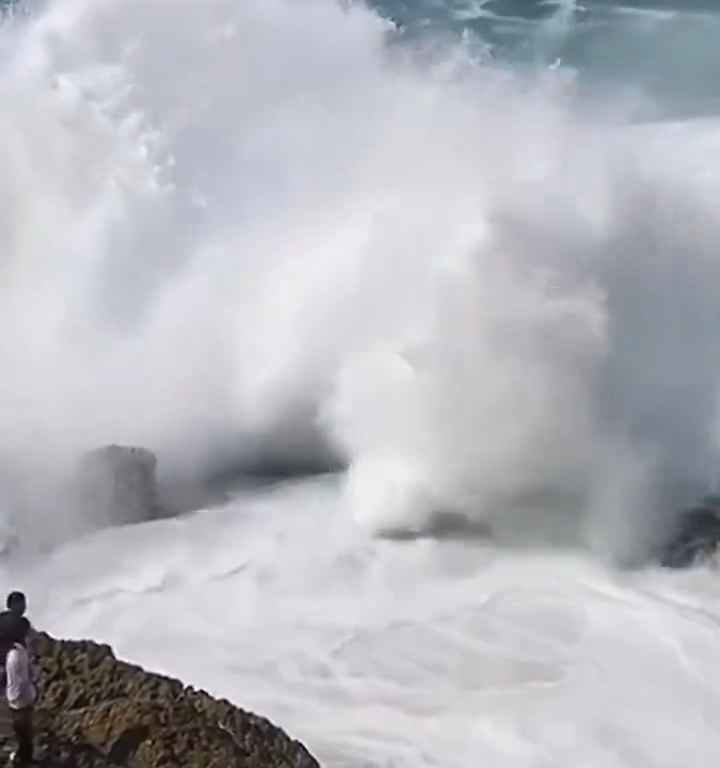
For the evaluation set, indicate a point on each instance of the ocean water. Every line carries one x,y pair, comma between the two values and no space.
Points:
451,267
376,653
663,51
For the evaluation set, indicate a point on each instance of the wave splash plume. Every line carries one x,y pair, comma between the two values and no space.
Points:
238,231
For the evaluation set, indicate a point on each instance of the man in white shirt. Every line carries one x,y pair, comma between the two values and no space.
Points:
21,692
16,605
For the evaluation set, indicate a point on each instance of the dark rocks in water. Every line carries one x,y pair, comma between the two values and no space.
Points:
95,711
695,537
441,526
117,484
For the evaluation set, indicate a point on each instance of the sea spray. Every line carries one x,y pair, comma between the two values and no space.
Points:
232,228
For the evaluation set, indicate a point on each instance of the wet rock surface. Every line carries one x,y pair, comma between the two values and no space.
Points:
695,536
117,485
97,711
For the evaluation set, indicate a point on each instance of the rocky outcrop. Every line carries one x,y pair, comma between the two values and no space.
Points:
97,711
117,484
695,536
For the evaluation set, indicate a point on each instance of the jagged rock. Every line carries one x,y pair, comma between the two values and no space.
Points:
96,712
116,485
695,536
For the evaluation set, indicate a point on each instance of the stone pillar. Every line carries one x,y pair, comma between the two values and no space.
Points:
117,485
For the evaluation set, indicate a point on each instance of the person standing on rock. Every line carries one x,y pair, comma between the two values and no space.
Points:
16,604
21,691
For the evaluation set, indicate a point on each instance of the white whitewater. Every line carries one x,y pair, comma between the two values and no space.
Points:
228,228
439,654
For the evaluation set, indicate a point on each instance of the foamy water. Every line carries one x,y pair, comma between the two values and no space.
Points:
446,654
474,273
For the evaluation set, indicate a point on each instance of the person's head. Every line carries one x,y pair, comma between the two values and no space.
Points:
16,603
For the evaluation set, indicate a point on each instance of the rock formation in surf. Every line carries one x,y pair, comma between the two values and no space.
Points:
117,485
695,536
95,712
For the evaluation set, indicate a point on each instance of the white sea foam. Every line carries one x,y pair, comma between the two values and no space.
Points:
374,653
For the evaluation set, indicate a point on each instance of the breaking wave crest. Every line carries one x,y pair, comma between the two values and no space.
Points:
239,230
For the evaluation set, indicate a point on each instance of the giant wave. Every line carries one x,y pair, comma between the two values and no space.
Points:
450,252
232,230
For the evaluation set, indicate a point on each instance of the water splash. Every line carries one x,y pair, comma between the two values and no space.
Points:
229,229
